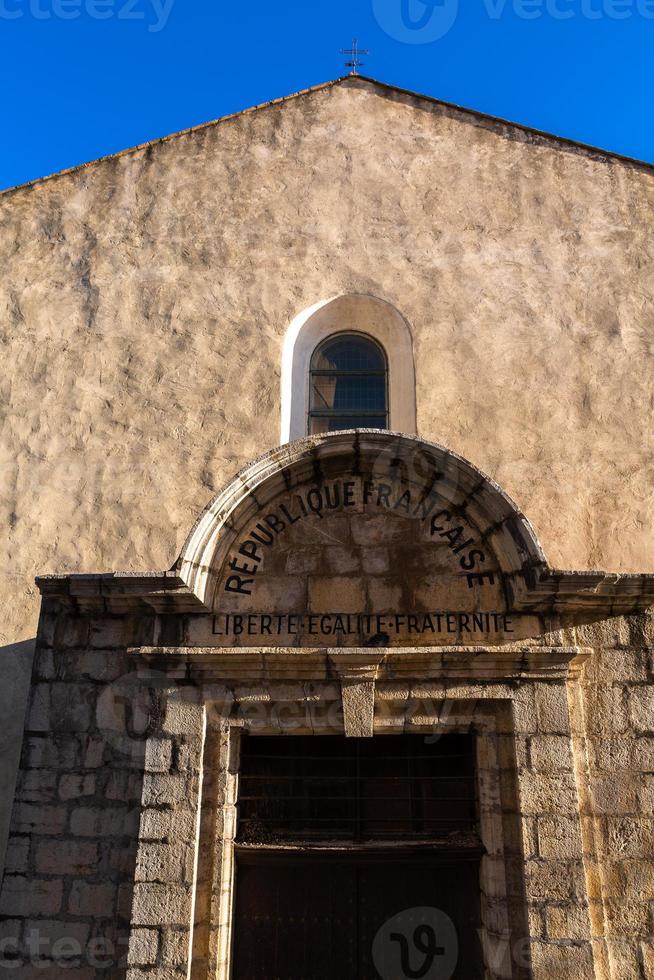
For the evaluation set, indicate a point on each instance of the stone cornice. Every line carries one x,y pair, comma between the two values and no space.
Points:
242,664
600,594
574,593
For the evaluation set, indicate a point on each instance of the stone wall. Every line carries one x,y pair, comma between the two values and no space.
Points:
70,862
618,715
110,866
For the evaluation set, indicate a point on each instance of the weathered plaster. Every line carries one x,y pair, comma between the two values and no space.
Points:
145,301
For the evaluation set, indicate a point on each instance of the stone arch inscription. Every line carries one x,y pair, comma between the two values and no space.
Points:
362,538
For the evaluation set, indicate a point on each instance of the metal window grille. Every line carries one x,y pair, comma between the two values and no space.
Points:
349,385
355,790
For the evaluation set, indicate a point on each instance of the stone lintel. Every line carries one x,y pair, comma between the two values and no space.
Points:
361,665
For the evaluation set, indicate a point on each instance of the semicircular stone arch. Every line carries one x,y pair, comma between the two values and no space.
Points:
364,524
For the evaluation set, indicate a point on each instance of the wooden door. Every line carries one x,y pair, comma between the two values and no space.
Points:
309,917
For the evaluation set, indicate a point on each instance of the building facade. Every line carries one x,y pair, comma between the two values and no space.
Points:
370,723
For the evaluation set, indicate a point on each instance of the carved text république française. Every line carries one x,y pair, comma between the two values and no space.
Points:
318,501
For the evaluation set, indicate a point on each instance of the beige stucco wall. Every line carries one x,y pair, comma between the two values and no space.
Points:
145,299
144,302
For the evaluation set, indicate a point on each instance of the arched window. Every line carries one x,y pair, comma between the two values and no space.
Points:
368,319
348,385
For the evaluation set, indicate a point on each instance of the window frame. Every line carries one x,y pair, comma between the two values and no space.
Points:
331,413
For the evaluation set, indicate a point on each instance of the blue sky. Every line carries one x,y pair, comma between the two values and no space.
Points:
83,78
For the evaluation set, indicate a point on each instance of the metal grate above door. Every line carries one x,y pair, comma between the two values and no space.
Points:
328,788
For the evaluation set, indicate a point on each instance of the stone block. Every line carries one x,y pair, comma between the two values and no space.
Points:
188,756
606,710
158,755
642,753
375,561
104,822
54,931
629,917
378,531
544,794
340,560
641,627
337,594
143,947
604,635
92,899
568,922
615,794
550,959
559,837
99,665
552,708
73,786
524,718
124,785
44,665
161,905
630,837
554,880
384,595
38,714
183,718
71,632
358,708
57,857
645,792
551,752
168,789
92,749
165,862
628,665
107,632
175,948
17,854
71,706
25,896
10,933
301,562
625,960
37,786
641,709
611,754
38,819
647,951
178,824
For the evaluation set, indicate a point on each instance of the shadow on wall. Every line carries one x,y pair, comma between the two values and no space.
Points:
16,660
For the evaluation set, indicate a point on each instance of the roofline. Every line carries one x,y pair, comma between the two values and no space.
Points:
172,136
541,134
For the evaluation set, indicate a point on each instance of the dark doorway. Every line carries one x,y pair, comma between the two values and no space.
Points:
357,859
